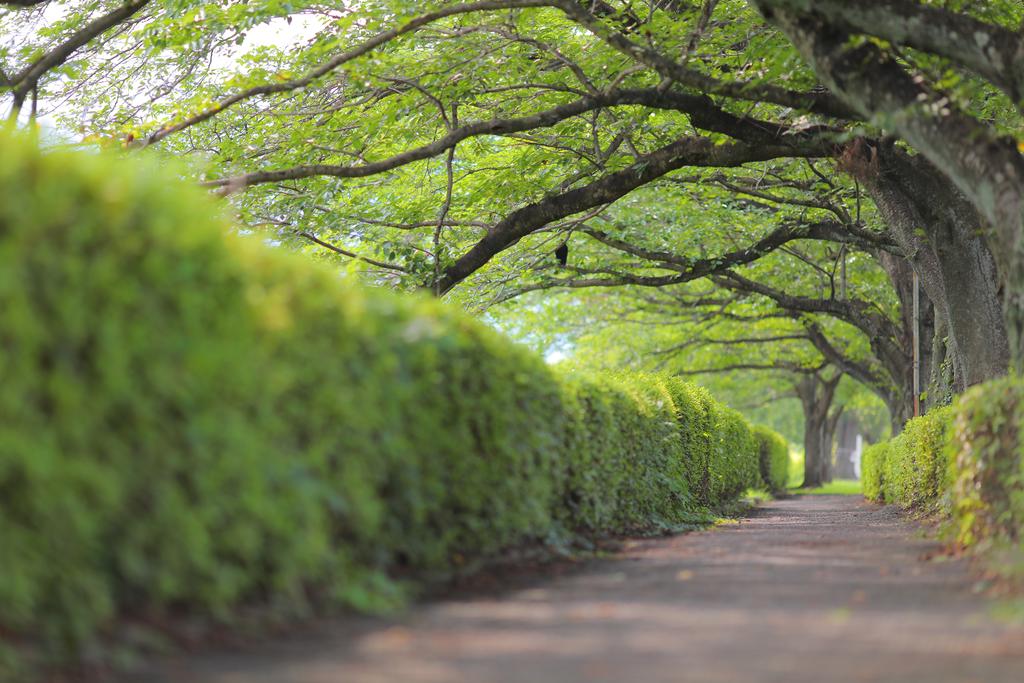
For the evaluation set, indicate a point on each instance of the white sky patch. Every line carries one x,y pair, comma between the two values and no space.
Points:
555,356
280,33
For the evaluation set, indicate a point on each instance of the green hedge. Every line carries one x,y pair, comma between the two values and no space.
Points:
193,422
988,472
911,469
773,454
915,464
872,469
964,462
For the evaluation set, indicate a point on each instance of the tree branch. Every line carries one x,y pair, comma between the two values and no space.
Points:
339,60
882,333
687,269
779,365
862,372
344,252
987,168
816,102
25,81
707,116
691,151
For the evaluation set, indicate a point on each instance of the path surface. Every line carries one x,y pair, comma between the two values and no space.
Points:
819,589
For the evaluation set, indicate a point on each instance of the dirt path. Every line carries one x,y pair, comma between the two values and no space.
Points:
818,589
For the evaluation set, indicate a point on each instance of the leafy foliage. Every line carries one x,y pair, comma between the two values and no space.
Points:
917,463
911,469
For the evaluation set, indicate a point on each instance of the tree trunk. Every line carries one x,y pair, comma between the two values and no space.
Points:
846,441
941,381
812,450
942,236
828,439
901,275
816,396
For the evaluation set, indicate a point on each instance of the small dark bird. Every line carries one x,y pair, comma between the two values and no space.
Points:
562,253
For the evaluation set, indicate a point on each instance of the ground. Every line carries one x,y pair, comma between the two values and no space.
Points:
813,588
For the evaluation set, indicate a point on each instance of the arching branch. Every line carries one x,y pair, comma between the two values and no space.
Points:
351,254
702,111
822,103
690,151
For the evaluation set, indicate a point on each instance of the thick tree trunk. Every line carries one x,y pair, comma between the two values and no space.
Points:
846,435
942,380
813,456
901,275
819,437
816,396
942,236
828,439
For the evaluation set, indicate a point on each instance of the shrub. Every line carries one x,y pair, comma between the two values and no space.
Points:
194,422
654,488
988,467
735,458
965,462
692,407
129,385
773,458
916,464
912,468
723,456
872,469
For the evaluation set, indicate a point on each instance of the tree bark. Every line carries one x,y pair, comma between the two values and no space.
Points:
816,394
828,434
941,234
901,276
942,380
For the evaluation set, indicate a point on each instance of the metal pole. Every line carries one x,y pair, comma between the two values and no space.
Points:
917,347
842,275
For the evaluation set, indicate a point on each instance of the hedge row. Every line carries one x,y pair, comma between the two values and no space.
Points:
872,466
773,454
988,487
191,423
964,462
911,469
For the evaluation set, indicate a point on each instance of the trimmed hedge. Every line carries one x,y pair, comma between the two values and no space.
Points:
191,423
872,469
988,473
964,462
916,463
911,469
773,452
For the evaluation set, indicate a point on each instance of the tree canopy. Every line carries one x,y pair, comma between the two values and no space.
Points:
750,170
